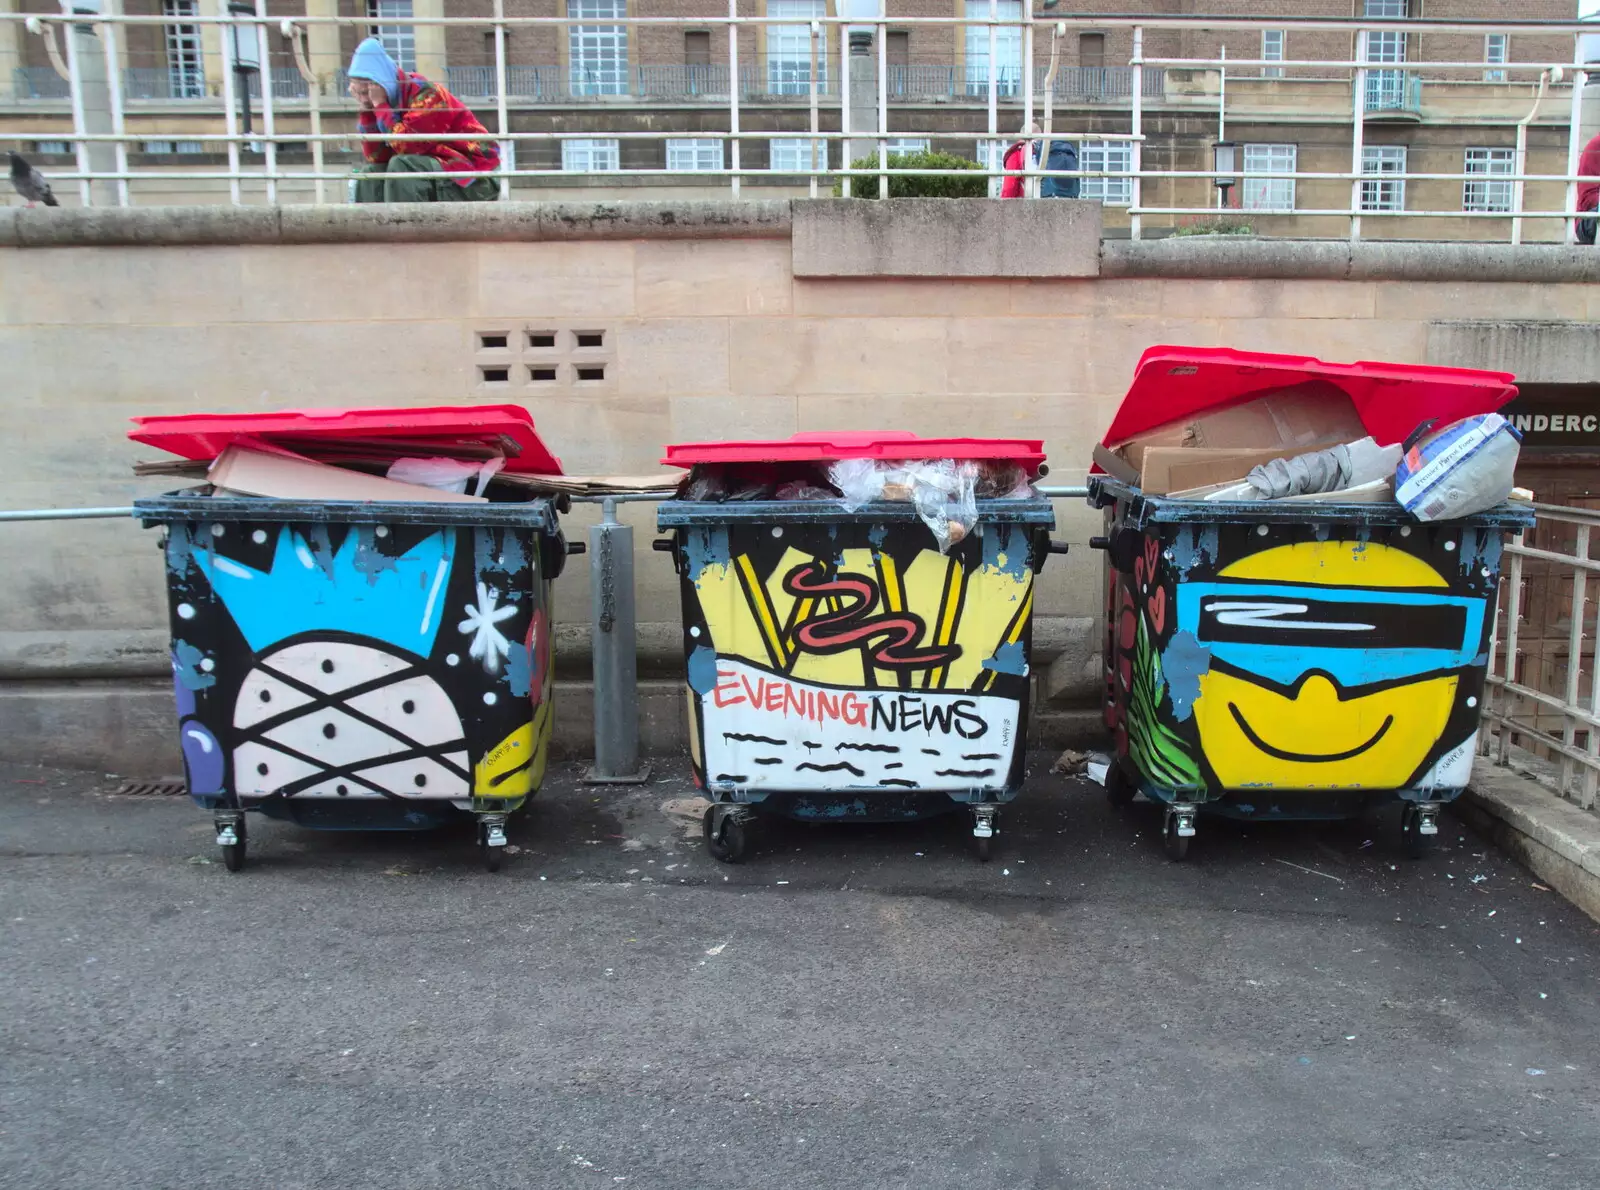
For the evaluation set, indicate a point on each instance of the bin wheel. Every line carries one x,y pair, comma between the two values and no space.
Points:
1120,788
233,855
1416,843
1177,845
725,840
491,856
984,849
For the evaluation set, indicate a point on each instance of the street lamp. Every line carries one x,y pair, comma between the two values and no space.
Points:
245,49
1224,167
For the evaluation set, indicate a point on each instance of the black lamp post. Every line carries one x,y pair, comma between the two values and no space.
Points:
1225,167
245,46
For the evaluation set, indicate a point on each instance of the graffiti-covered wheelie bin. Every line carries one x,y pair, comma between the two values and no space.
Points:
1300,657
857,613
373,657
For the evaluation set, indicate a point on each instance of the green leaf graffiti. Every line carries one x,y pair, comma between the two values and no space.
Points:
1162,754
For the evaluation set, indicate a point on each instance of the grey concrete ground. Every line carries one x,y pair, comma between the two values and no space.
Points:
853,1007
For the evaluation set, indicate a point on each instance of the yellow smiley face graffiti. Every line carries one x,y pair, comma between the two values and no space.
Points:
1331,665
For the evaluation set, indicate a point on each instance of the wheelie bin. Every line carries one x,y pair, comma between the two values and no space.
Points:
1295,659
351,664
841,667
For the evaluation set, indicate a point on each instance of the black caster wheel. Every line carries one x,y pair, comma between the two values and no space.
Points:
985,848
1415,843
725,843
233,853
1120,788
1177,845
491,856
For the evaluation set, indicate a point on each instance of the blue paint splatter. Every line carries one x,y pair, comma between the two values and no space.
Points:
519,669
703,547
369,559
1009,658
1005,551
1184,661
1480,547
186,661
703,669
180,550
1322,530
1193,545
877,534
513,556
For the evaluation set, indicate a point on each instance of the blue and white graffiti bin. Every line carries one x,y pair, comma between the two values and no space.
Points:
362,664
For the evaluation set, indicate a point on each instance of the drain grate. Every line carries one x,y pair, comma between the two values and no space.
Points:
151,789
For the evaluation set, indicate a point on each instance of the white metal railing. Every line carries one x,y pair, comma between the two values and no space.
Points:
84,53
1541,693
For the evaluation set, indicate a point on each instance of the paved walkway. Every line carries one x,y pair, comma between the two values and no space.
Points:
854,1007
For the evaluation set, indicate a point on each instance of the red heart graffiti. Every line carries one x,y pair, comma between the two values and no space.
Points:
1151,546
1139,573
1157,607
1127,625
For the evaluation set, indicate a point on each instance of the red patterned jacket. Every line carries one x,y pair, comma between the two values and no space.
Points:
427,108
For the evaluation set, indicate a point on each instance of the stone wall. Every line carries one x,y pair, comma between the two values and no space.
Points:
709,334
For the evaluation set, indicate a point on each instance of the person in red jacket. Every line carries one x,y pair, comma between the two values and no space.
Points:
397,101
1016,157
1588,192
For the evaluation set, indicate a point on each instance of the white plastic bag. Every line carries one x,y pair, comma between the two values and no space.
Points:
445,475
944,491
859,481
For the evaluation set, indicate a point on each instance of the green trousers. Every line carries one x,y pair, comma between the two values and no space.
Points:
404,178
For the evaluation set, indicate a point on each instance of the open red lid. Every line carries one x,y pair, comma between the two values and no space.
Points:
1172,383
485,429
857,444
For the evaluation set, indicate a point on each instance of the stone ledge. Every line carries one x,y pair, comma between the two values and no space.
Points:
1558,841
946,237
1256,258
398,223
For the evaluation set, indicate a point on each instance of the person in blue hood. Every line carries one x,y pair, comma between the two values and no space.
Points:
397,103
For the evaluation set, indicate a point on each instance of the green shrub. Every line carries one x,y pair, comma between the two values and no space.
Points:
1212,227
918,185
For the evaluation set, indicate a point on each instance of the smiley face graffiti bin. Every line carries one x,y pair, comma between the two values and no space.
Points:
841,666
1295,658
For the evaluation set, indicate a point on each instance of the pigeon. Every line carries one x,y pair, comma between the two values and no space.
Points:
30,183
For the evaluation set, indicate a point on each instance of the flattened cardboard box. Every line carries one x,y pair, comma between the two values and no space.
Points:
1291,421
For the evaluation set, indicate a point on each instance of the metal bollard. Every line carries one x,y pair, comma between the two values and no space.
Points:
614,647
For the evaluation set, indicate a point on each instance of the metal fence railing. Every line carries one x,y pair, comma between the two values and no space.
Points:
1542,699
803,64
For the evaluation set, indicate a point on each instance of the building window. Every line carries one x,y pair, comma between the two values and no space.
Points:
1386,89
51,147
589,156
186,73
598,54
789,47
698,155
399,40
1092,51
1268,194
908,144
1486,195
791,156
1007,48
1495,47
1115,155
1387,195
1272,51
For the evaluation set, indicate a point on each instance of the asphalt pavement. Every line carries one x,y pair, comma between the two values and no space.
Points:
1296,1006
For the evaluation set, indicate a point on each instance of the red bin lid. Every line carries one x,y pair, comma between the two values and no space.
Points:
207,435
1172,383
857,444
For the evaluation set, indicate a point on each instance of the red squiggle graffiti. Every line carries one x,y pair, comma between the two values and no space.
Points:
850,628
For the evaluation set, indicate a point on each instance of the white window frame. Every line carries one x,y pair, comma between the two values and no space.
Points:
56,148
186,70
1272,43
589,155
597,55
908,144
789,47
987,151
788,154
1487,192
399,40
695,155
1496,51
1007,48
159,148
1389,194
1107,154
1268,194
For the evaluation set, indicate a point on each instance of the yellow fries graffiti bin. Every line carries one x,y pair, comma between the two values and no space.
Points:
840,666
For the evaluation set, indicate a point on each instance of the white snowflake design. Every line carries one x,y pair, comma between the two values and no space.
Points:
489,644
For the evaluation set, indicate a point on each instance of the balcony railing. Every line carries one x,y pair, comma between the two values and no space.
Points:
40,82
1394,91
162,82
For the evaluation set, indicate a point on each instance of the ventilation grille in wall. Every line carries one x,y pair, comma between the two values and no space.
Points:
530,358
